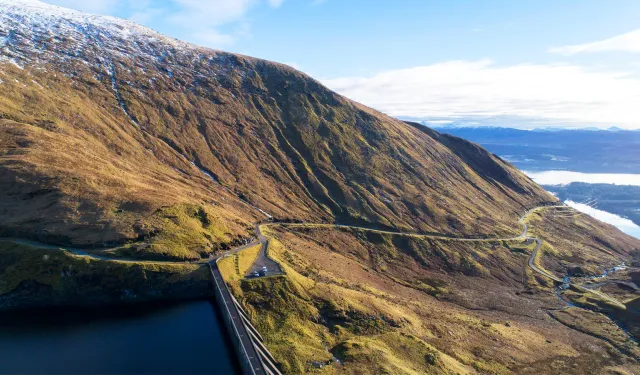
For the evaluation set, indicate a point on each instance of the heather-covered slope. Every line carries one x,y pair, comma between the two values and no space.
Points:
365,302
97,113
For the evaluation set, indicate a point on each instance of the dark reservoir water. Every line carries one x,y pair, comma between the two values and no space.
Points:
186,338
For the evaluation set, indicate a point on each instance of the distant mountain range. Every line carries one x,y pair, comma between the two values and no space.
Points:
580,150
537,129
507,122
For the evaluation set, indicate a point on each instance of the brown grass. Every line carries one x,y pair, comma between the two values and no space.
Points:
359,295
76,169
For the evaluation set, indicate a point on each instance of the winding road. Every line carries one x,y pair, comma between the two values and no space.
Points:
273,268
531,262
522,236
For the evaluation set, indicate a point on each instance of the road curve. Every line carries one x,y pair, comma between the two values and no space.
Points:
532,260
274,268
263,259
523,236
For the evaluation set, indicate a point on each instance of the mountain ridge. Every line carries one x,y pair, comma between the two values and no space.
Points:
264,131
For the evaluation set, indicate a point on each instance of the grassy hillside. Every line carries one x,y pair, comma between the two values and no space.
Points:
33,277
73,173
360,302
132,144
98,146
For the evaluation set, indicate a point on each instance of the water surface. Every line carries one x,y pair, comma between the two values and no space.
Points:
625,225
186,338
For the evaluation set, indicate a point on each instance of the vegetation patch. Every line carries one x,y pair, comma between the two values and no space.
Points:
39,277
180,232
234,267
599,325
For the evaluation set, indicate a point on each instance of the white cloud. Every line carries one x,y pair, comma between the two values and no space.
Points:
91,6
629,42
209,13
481,89
201,21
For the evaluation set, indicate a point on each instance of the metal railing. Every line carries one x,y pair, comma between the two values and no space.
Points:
248,366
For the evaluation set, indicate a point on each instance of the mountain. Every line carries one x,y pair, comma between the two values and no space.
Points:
601,151
117,141
107,126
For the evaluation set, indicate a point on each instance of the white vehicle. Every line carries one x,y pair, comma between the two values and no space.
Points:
264,269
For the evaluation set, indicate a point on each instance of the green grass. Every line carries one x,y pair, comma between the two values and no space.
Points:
599,325
187,229
244,259
306,321
74,279
182,232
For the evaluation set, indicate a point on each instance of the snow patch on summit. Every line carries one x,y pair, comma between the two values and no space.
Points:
35,32
123,56
32,32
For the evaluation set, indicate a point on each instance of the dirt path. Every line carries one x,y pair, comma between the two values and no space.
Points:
86,254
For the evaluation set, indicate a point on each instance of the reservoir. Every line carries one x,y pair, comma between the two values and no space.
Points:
188,337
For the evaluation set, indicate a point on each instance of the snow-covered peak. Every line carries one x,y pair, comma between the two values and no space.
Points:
39,17
108,49
37,14
33,32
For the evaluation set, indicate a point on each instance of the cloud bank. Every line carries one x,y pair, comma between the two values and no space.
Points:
560,94
629,42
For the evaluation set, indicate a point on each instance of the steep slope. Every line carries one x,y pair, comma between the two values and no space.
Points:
357,301
102,117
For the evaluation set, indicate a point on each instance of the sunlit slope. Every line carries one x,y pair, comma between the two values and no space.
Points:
361,302
105,123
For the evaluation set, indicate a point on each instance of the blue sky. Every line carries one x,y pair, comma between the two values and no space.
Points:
517,63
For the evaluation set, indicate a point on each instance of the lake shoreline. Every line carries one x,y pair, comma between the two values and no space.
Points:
29,295
88,305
